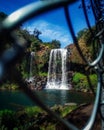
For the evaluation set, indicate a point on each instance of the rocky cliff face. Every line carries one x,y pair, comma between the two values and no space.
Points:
43,54
75,55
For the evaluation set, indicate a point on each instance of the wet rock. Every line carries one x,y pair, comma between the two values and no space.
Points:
38,83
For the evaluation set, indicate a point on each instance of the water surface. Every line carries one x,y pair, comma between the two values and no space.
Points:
17,99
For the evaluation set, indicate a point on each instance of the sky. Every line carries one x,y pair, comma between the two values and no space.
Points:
52,24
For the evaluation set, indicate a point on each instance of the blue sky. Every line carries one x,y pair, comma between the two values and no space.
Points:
52,24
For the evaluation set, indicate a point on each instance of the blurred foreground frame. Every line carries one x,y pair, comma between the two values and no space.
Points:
10,56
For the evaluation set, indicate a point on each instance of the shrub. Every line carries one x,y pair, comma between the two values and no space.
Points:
10,86
77,77
31,118
43,74
8,119
33,110
81,82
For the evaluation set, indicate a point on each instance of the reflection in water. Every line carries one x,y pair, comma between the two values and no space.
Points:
52,97
15,99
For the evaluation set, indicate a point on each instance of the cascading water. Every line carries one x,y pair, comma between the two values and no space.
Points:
57,71
31,66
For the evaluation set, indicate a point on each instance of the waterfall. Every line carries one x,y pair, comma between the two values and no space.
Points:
57,71
31,66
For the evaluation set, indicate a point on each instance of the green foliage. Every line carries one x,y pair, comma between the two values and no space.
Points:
93,79
55,44
48,127
9,86
42,50
81,32
63,110
33,110
81,82
31,118
67,110
77,77
35,44
7,119
86,35
42,74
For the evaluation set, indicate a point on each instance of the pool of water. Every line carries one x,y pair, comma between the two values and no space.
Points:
17,99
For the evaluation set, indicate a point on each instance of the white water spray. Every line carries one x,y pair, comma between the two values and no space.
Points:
31,66
57,72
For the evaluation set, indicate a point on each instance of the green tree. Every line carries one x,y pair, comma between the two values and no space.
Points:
36,33
56,44
81,32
